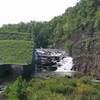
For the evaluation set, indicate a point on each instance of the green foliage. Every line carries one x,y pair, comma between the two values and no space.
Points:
53,89
85,16
17,90
15,52
86,79
15,36
16,47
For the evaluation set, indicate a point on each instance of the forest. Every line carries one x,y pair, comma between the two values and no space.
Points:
85,16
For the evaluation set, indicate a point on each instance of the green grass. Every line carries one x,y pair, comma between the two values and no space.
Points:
15,36
54,89
15,51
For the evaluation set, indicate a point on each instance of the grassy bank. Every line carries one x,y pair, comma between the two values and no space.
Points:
54,89
15,51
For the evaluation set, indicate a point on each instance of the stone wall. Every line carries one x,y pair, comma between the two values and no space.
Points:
14,70
5,70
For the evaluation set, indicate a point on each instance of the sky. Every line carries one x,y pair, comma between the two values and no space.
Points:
15,11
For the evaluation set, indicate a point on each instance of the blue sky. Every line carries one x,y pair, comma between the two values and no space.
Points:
15,11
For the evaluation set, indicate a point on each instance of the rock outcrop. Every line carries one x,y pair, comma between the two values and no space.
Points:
86,53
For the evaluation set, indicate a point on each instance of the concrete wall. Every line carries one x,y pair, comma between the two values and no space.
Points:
5,70
15,70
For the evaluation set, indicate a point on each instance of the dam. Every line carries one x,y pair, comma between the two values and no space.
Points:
47,63
55,60
45,60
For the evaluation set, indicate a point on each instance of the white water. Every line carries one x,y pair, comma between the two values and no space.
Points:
66,65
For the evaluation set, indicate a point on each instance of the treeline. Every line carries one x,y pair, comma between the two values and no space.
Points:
85,16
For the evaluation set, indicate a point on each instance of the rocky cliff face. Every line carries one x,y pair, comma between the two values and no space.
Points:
86,52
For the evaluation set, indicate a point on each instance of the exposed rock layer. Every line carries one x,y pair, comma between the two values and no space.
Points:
86,53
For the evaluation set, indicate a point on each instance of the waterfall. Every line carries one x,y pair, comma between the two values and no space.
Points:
66,64
58,58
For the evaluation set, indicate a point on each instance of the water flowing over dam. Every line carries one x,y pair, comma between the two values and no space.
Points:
53,61
46,60
66,64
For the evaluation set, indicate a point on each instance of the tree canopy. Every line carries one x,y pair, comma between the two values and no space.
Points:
84,16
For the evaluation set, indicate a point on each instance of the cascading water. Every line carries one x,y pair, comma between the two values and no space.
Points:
66,65
60,64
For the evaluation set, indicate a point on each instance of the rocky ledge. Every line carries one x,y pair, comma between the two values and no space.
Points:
86,53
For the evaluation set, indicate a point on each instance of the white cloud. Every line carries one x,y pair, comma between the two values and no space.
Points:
14,11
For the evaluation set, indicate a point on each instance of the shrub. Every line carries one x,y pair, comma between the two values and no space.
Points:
86,90
86,80
54,89
17,90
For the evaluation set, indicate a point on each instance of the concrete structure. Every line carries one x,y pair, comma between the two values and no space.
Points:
47,58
